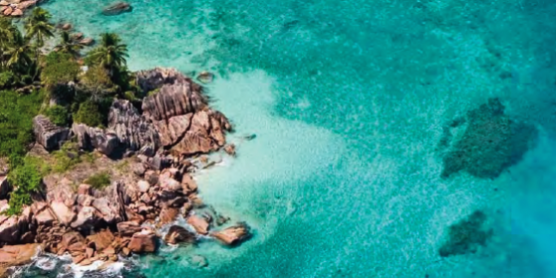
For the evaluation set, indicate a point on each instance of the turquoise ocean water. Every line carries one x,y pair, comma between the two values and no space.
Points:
350,101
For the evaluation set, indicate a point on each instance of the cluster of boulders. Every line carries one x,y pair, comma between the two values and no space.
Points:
15,8
177,118
101,223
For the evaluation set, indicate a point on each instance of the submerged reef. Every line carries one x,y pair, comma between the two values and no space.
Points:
466,236
491,142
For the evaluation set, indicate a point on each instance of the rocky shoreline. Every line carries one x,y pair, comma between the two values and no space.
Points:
162,144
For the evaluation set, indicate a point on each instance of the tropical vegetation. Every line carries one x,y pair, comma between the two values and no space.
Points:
34,79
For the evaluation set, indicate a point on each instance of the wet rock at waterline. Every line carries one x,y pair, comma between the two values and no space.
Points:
117,8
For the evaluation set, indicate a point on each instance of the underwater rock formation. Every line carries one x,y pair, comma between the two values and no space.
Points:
491,143
466,236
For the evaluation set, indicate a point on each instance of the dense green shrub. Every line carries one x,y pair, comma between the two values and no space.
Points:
89,114
59,68
97,83
16,132
16,121
27,179
7,79
99,181
58,115
66,158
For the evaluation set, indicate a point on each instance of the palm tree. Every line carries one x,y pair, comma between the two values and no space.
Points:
7,34
110,54
69,45
18,53
38,26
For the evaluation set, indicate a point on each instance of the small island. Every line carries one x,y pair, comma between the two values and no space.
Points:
94,158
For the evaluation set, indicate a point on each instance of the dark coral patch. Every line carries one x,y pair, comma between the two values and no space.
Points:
466,236
491,143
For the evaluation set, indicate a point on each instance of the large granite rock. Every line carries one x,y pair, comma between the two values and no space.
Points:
17,255
64,214
233,235
174,100
182,117
149,80
143,242
14,227
178,234
199,223
5,187
95,138
132,130
49,135
128,228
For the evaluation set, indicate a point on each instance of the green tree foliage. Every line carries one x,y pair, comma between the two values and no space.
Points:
59,69
38,26
7,35
7,79
97,84
58,115
89,114
68,45
18,53
111,55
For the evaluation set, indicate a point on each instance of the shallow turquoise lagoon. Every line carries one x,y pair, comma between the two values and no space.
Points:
352,103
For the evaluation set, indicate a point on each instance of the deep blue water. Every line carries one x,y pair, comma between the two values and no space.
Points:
350,100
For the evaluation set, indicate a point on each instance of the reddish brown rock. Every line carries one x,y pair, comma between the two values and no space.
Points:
13,227
102,239
233,235
62,212
200,224
86,218
17,12
87,262
230,149
173,129
128,228
143,243
78,259
168,215
126,252
188,183
178,234
169,184
86,41
42,214
84,189
16,255
72,242
90,252
8,11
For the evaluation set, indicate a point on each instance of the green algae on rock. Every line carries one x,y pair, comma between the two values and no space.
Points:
466,236
491,143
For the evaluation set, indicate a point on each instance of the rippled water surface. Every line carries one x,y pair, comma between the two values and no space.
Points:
356,105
